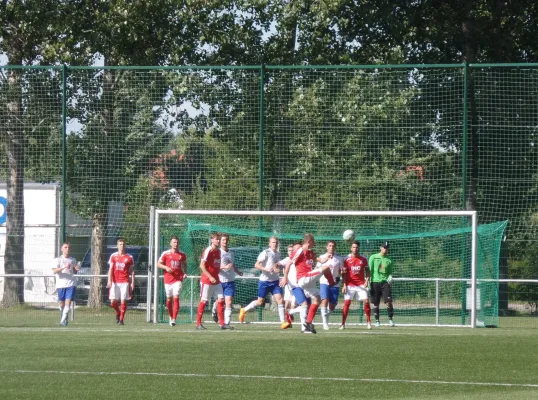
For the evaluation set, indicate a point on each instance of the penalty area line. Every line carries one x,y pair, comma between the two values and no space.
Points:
273,377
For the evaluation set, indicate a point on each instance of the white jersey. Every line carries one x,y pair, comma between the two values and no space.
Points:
336,263
267,259
292,274
65,278
226,275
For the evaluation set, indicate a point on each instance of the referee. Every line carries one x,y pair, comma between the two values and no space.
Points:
381,270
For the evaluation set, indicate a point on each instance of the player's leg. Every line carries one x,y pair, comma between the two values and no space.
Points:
168,290
262,292
363,296
205,294
324,295
114,296
302,302
217,291
229,293
176,292
61,302
387,298
287,304
124,296
376,289
348,296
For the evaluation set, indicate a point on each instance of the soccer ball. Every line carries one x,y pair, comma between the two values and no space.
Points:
348,235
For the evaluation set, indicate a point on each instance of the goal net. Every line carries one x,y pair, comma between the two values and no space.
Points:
445,266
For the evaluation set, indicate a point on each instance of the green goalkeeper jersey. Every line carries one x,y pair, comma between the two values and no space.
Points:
380,268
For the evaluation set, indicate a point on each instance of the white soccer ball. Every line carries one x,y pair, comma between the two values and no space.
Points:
348,235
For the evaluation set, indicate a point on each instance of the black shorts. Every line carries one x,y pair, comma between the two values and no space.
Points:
381,290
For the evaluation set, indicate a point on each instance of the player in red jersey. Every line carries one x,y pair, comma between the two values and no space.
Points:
173,262
120,271
356,276
307,277
210,284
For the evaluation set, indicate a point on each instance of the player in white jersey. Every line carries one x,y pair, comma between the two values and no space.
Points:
289,298
269,282
64,267
329,294
227,273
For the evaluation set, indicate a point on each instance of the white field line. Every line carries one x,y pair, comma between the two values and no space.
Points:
274,377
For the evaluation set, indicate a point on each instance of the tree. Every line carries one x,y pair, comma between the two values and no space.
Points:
32,31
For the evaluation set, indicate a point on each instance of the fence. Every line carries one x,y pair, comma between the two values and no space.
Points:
115,141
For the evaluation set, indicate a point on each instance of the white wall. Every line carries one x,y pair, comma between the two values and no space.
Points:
41,207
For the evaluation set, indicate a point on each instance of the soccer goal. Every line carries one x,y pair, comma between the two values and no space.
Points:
446,266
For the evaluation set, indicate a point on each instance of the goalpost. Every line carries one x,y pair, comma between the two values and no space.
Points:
446,266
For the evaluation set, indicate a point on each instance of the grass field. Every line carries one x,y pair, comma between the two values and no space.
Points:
145,361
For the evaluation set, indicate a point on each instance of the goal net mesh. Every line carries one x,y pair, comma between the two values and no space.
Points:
431,256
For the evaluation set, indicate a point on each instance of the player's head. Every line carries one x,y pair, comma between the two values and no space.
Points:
121,244
355,247
384,248
273,243
65,249
215,239
331,246
174,242
308,240
224,238
290,250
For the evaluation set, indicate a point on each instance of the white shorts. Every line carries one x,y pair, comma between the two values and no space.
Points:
359,292
308,282
120,291
208,291
173,289
288,295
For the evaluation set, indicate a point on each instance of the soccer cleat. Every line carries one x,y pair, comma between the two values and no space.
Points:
242,314
117,319
368,325
377,324
309,327
215,317
285,325
391,322
63,322
342,327
201,328
227,326
121,322
172,322
325,327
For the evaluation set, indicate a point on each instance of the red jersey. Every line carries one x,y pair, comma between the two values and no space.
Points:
212,264
121,266
174,261
354,270
304,261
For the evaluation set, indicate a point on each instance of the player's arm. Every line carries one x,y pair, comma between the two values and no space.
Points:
183,268
366,276
162,265
57,269
206,272
110,271
343,272
236,270
284,280
259,266
389,274
323,260
132,273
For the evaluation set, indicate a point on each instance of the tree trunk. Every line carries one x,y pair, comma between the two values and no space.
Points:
98,254
14,251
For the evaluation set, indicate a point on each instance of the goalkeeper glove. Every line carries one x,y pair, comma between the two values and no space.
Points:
389,280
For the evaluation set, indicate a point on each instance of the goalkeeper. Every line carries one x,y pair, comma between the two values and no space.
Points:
381,268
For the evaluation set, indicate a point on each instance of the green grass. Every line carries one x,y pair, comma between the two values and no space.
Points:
101,360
